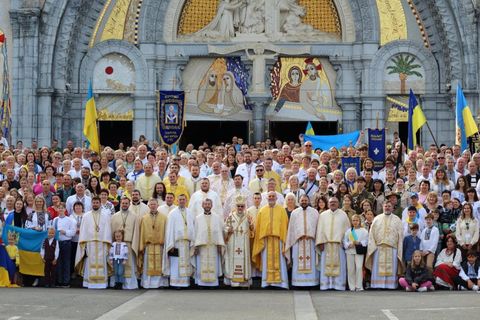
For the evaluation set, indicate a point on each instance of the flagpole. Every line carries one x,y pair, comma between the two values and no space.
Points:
429,129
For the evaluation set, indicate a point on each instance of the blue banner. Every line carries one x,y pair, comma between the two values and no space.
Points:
171,116
338,141
351,162
376,148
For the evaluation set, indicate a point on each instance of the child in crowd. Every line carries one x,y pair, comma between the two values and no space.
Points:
49,252
368,219
412,217
411,243
118,258
469,276
417,276
429,241
436,223
355,244
12,251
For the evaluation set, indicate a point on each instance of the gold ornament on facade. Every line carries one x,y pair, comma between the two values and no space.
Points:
320,14
106,115
393,23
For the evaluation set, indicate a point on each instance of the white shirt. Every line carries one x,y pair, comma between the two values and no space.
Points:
86,200
75,174
4,142
429,243
67,224
57,249
247,171
362,235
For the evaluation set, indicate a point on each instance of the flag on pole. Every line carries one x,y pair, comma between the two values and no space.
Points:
416,119
90,125
5,105
309,131
465,124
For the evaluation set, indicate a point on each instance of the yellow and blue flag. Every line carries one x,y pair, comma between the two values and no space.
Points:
90,125
309,130
29,245
465,124
416,119
7,268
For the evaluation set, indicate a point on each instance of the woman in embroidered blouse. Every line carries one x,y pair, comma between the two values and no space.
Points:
39,218
467,229
448,263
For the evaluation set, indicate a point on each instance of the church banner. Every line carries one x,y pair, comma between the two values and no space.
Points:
350,162
376,147
170,115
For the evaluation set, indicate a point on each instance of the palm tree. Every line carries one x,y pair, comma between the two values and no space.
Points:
404,66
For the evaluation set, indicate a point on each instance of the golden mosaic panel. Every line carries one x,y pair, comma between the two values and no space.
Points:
321,14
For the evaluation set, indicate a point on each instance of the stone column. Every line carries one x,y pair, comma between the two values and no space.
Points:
44,117
351,115
260,104
25,28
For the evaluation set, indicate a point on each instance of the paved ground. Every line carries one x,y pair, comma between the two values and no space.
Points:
39,303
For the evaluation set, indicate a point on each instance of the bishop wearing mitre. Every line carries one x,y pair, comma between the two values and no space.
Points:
238,233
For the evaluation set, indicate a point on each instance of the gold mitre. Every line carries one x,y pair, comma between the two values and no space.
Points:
240,200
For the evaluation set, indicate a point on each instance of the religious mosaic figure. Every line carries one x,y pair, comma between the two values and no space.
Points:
291,90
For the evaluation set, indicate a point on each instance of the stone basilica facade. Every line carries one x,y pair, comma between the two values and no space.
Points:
348,64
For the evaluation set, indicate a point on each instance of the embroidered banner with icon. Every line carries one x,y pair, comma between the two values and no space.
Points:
171,116
376,147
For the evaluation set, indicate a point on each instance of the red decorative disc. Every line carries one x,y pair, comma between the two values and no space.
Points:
108,70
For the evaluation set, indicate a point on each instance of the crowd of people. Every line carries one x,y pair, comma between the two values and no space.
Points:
274,214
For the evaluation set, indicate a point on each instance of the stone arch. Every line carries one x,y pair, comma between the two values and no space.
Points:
159,20
51,17
366,20
376,70
120,47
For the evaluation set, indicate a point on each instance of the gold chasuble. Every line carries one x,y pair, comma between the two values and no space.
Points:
271,228
152,235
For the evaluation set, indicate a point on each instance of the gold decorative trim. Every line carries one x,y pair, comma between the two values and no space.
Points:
105,115
99,22
421,26
115,26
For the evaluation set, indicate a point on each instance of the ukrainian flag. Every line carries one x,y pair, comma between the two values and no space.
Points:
7,268
90,126
465,124
29,245
309,131
416,119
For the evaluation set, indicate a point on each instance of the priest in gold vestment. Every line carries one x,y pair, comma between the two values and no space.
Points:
209,246
385,249
331,228
238,232
128,222
269,243
302,229
178,260
95,239
150,249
